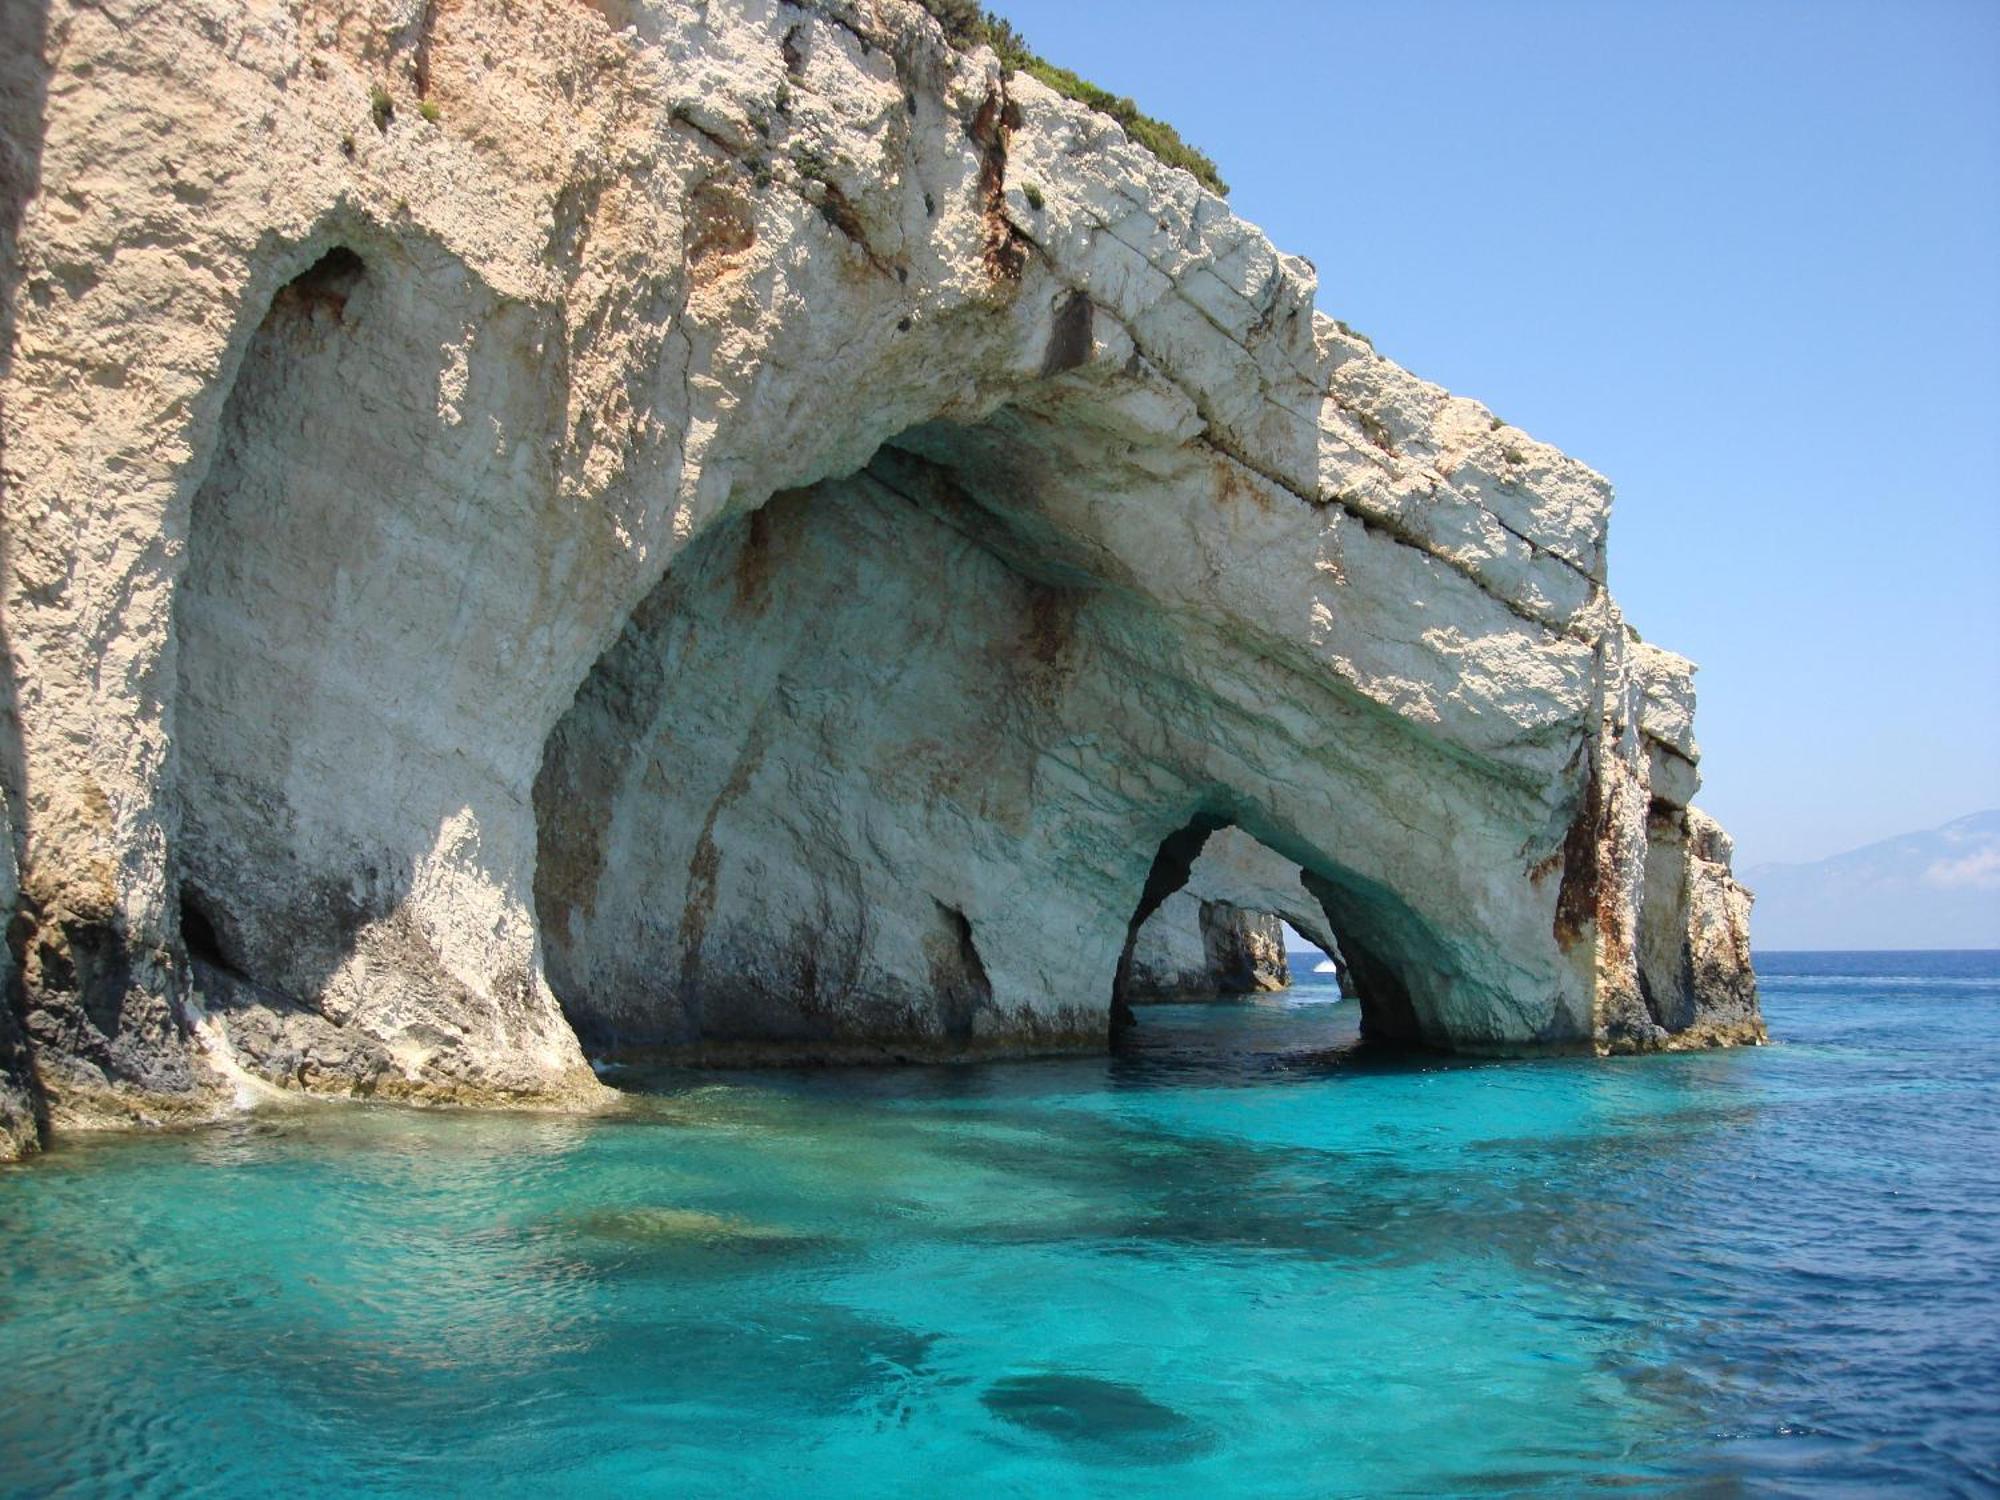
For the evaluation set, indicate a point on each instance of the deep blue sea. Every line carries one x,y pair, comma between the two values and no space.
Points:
1244,1259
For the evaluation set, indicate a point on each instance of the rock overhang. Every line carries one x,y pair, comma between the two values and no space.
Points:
625,291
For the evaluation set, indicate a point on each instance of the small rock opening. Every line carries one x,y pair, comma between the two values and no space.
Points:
1212,921
198,934
324,286
1320,957
959,977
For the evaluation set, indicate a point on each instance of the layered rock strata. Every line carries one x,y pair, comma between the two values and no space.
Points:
528,520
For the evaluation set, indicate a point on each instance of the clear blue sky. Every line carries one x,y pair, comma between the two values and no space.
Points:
1744,258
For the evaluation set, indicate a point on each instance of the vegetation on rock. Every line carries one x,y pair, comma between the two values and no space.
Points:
968,24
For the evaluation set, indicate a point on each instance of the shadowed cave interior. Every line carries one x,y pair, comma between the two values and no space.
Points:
854,774
896,764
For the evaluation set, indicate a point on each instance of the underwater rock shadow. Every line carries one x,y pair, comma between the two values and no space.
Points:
1108,1420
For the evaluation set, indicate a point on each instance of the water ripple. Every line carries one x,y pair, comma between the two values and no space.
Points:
1245,1256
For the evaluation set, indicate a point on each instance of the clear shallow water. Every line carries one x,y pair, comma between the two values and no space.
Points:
1236,1262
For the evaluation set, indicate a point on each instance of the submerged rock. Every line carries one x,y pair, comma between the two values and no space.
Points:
653,1224
753,526
1091,1412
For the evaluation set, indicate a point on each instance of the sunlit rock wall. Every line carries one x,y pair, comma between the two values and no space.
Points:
388,489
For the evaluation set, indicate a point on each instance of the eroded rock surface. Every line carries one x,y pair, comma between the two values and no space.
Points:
748,527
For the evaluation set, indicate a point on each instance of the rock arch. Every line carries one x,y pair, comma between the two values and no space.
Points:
1223,932
970,678
370,487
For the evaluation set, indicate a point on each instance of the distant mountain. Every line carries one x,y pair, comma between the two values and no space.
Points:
1939,889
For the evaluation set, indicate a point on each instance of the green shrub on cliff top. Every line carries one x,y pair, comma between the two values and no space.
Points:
968,24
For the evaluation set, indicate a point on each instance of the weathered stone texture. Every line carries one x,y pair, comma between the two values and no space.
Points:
687,546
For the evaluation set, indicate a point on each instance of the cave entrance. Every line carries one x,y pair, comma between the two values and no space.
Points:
1211,917
843,787
353,662
1213,921
877,771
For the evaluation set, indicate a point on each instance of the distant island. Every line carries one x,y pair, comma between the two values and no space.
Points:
1939,888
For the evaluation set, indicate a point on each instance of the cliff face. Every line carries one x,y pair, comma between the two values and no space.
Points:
739,523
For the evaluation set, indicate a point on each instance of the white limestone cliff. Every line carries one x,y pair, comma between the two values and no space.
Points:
740,526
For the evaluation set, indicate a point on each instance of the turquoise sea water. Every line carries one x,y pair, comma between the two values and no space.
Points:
1243,1259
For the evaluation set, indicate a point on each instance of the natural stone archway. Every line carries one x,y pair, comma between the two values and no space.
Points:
766,552
1222,932
1399,978
804,763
